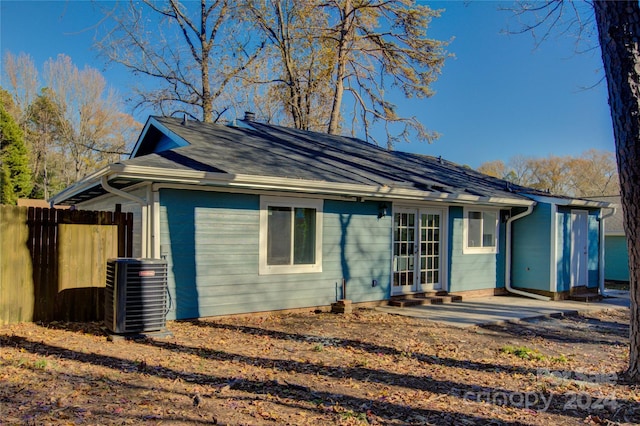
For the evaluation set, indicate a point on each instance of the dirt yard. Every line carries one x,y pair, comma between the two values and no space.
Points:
321,369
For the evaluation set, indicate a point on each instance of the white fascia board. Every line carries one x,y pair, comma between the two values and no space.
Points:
239,181
571,202
168,133
303,186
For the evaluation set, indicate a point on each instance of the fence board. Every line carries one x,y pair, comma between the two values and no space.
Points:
16,289
83,254
44,278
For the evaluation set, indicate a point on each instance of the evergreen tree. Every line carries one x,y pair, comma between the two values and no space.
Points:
15,175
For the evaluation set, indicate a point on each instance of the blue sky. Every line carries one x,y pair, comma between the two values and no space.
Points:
499,97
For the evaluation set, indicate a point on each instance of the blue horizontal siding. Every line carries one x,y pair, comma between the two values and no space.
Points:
211,242
470,271
616,266
531,249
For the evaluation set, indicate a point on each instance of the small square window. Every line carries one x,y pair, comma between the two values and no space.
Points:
480,231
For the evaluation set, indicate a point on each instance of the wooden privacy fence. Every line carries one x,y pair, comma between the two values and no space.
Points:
53,262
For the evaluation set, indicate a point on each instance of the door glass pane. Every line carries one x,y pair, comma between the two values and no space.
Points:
430,247
402,263
405,250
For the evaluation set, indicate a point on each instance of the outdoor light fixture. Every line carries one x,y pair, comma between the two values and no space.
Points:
382,210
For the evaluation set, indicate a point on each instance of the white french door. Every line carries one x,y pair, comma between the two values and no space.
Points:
417,250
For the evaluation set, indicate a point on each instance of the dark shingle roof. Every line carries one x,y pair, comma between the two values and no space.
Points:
267,150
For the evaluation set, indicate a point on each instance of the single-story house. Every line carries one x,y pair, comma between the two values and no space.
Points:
254,217
616,265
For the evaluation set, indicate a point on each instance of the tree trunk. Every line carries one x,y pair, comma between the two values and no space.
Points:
336,104
207,99
618,29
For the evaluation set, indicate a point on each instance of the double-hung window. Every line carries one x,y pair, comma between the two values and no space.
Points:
480,231
290,235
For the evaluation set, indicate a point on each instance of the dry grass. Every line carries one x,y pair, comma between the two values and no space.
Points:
317,369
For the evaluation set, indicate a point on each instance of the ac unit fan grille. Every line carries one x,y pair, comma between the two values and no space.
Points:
135,295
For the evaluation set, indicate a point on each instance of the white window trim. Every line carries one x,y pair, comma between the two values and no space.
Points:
465,232
265,202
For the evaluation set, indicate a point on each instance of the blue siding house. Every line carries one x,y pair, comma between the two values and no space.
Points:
253,217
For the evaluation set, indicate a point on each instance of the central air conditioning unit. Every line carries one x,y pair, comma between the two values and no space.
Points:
135,295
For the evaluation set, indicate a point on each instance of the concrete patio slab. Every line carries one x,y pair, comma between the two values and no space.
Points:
499,309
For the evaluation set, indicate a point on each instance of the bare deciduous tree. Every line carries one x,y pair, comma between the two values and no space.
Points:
301,78
208,58
72,126
379,44
495,168
193,55
42,128
21,81
591,174
90,127
594,173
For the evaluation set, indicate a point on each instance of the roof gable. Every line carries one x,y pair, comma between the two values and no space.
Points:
155,137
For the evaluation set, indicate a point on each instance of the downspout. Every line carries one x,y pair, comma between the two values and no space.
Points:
155,223
143,214
601,249
507,268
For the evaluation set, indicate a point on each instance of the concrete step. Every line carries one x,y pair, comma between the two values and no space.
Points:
586,297
423,299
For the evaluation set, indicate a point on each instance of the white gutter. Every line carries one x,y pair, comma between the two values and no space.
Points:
104,181
189,177
86,183
144,247
568,202
601,249
507,268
